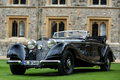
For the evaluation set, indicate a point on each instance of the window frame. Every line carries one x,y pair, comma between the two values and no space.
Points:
18,19
99,2
57,21
90,3
99,22
19,2
102,19
50,19
49,3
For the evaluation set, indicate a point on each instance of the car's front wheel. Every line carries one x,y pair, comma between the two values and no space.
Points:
67,63
17,69
107,63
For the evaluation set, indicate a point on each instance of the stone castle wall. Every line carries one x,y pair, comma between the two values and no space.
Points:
77,13
78,18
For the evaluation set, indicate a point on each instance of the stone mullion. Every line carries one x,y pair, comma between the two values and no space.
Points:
99,2
19,2
58,2
18,22
65,28
98,28
58,26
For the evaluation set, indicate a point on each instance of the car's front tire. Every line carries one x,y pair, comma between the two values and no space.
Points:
67,63
107,63
17,69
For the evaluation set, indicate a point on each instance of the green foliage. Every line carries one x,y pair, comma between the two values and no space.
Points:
51,74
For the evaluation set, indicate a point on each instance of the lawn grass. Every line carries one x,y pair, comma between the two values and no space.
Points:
51,74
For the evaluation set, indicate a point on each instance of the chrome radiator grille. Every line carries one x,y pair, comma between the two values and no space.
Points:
41,54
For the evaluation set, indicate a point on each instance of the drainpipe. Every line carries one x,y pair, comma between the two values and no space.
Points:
40,18
37,18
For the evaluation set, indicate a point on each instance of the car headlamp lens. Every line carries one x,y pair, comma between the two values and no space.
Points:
31,44
51,43
39,46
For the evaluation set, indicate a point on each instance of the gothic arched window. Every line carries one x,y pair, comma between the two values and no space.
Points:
14,29
22,29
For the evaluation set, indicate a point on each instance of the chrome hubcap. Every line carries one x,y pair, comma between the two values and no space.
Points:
68,63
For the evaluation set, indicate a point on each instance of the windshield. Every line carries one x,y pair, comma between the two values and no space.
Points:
70,34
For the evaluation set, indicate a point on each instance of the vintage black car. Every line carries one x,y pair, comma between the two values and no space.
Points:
64,51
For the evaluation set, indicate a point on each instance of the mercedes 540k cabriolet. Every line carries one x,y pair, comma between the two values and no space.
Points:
64,51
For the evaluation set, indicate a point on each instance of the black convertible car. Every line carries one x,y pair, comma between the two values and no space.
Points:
64,51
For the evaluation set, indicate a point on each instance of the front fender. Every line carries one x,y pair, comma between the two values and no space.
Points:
56,51
104,51
18,51
107,50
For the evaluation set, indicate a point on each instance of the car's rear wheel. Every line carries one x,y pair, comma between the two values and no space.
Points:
107,63
17,69
67,63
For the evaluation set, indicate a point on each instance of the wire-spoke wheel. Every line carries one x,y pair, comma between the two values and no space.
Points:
107,63
67,63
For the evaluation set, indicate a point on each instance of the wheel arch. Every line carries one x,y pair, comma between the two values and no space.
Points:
111,55
73,52
108,50
16,51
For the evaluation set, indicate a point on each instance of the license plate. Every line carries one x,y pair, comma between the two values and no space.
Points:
30,63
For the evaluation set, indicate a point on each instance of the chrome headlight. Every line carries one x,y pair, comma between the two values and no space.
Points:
31,44
51,43
39,46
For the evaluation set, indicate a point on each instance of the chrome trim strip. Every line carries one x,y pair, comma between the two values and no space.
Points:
14,62
50,62
42,62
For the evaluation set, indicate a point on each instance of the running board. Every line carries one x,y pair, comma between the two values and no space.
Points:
94,62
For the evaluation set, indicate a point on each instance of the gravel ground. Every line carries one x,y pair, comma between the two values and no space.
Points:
4,58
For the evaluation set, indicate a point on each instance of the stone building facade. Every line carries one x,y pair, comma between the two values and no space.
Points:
58,15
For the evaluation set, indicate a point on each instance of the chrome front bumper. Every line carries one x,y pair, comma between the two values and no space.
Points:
33,62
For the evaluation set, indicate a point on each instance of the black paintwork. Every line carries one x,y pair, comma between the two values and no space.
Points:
87,52
17,51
